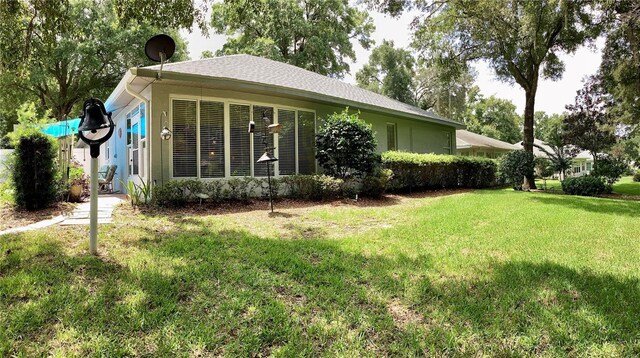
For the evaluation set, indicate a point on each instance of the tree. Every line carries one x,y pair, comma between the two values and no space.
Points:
546,126
63,52
313,34
519,39
561,154
588,124
443,92
390,71
494,117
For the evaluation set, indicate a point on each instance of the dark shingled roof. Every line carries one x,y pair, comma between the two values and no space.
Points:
271,73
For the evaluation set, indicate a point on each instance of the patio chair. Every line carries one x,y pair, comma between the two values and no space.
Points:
102,172
106,183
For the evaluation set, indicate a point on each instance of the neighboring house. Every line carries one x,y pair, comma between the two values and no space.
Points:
582,162
4,156
477,145
208,105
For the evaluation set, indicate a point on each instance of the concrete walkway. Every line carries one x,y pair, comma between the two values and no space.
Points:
106,204
34,226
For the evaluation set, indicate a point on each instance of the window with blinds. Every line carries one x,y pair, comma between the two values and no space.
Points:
184,139
239,141
392,135
260,170
306,142
287,142
211,139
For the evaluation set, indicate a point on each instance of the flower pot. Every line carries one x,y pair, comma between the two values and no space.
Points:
75,192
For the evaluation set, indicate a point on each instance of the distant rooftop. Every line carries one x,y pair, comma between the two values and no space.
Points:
466,139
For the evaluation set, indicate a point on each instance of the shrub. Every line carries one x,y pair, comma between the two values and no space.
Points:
34,171
636,176
585,185
543,168
610,169
346,146
413,171
375,185
312,187
516,165
171,193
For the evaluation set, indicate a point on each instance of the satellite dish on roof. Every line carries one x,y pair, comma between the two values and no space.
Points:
160,48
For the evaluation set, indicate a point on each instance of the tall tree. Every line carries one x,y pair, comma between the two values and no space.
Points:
442,92
390,71
546,126
313,34
520,39
62,52
620,67
494,117
588,124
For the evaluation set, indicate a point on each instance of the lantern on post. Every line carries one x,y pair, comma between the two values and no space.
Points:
96,127
268,156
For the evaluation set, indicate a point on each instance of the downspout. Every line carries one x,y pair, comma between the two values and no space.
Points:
147,109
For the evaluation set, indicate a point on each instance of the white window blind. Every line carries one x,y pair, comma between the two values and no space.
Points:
260,170
287,142
211,139
184,139
306,142
240,143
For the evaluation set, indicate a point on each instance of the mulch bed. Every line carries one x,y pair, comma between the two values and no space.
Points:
13,217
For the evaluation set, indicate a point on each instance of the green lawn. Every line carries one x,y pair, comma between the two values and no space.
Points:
495,273
625,186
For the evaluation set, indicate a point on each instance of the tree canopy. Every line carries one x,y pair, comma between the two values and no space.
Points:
62,52
494,117
313,34
519,39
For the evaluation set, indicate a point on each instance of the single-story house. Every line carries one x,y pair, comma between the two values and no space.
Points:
477,145
582,163
208,104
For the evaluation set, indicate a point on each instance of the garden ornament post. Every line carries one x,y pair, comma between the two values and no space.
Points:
268,156
96,127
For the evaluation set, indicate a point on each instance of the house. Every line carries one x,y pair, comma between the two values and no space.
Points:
477,145
208,104
582,163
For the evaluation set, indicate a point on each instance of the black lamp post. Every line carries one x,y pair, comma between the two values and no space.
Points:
268,156
96,127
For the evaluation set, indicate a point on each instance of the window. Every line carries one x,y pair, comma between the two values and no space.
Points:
184,139
306,142
392,136
260,170
240,142
287,142
589,166
143,145
211,139
143,122
107,149
135,150
447,145
129,128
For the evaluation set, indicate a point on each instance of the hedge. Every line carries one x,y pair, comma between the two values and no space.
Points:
413,171
585,185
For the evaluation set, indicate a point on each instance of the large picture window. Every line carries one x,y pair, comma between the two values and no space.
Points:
287,142
240,140
211,139
306,142
184,139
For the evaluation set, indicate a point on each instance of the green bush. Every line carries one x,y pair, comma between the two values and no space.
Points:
636,176
516,165
412,171
375,185
585,185
312,187
34,171
346,146
609,169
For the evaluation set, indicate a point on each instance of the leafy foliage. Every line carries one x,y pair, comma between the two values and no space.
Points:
413,171
313,34
346,146
585,186
35,173
516,165
494,117
610,169
546,126
636,176
589,125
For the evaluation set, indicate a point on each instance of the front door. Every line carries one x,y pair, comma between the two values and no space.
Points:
136,154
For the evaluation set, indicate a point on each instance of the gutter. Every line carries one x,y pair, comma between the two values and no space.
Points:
147,109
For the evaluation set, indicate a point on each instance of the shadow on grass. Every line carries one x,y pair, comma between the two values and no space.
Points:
596,205
194,290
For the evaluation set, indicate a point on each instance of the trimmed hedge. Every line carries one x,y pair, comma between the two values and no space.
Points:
585,186
35,173
412,171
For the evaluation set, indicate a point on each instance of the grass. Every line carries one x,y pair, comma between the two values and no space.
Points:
6,197
625,186
495,273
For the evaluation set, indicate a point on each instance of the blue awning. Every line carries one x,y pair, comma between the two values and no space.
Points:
62,128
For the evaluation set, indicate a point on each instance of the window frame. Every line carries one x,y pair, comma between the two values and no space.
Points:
227,132
395,135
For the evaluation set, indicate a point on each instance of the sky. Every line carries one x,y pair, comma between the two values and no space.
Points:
552,96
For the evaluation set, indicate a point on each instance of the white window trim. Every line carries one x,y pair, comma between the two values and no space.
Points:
227,132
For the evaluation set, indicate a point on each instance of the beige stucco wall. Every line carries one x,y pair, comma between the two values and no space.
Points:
412,135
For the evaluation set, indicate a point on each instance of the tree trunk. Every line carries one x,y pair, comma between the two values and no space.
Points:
527,141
